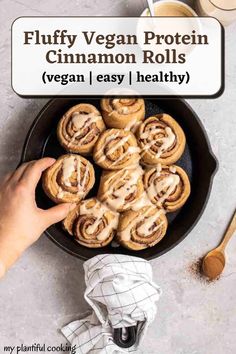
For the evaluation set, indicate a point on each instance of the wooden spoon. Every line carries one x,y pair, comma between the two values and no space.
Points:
214,262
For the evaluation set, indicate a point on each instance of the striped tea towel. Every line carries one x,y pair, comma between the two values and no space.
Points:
121,293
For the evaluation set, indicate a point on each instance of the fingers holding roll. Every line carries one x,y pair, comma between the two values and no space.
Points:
69,179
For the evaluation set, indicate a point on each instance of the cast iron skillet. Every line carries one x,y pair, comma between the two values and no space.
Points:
198,161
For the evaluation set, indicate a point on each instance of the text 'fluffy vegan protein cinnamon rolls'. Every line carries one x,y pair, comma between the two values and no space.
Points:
79,128
167,186
122,112
92,223
161,140
139,229
121,189
69,179
116,149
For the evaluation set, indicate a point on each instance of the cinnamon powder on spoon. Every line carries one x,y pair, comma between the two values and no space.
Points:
212,266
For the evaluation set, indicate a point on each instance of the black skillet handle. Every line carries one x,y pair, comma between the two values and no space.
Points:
127,340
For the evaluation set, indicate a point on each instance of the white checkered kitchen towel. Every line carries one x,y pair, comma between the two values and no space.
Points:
121,293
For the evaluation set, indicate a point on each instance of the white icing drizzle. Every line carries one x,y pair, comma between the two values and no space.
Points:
124,110
143,229
120,110
85,177
172,169
166,141
107,140
146,226
69,165
78,172
133,149
98,211
121,142
133,125
167,183
130,149
130,179
143,201
153,130
116,146
80,121
158,170
60,193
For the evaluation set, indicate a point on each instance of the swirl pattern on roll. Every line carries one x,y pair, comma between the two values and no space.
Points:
161,140
122,112
79,128
92,223
167,186
116,149
139,229
121,189
69,179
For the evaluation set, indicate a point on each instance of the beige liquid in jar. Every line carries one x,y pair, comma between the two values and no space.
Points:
172,10
175,9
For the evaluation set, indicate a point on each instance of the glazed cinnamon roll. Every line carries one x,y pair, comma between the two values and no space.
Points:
69,179
91,223
121,189
116,149
167,186
122,112
142,228
161,140
79,128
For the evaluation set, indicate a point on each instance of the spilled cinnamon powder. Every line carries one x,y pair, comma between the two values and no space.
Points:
195,269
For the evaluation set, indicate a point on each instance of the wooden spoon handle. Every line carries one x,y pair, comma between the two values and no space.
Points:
229,232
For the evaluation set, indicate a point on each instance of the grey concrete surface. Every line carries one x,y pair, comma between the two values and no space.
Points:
44,290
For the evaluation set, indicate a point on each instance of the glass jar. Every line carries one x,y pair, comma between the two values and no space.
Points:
222,10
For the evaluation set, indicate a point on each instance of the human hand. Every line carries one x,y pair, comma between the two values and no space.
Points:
21,221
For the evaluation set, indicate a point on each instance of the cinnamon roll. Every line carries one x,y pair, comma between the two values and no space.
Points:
122,112
116,149
69,179
79,128
91,223
142,228
121,189
161,140
167,186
